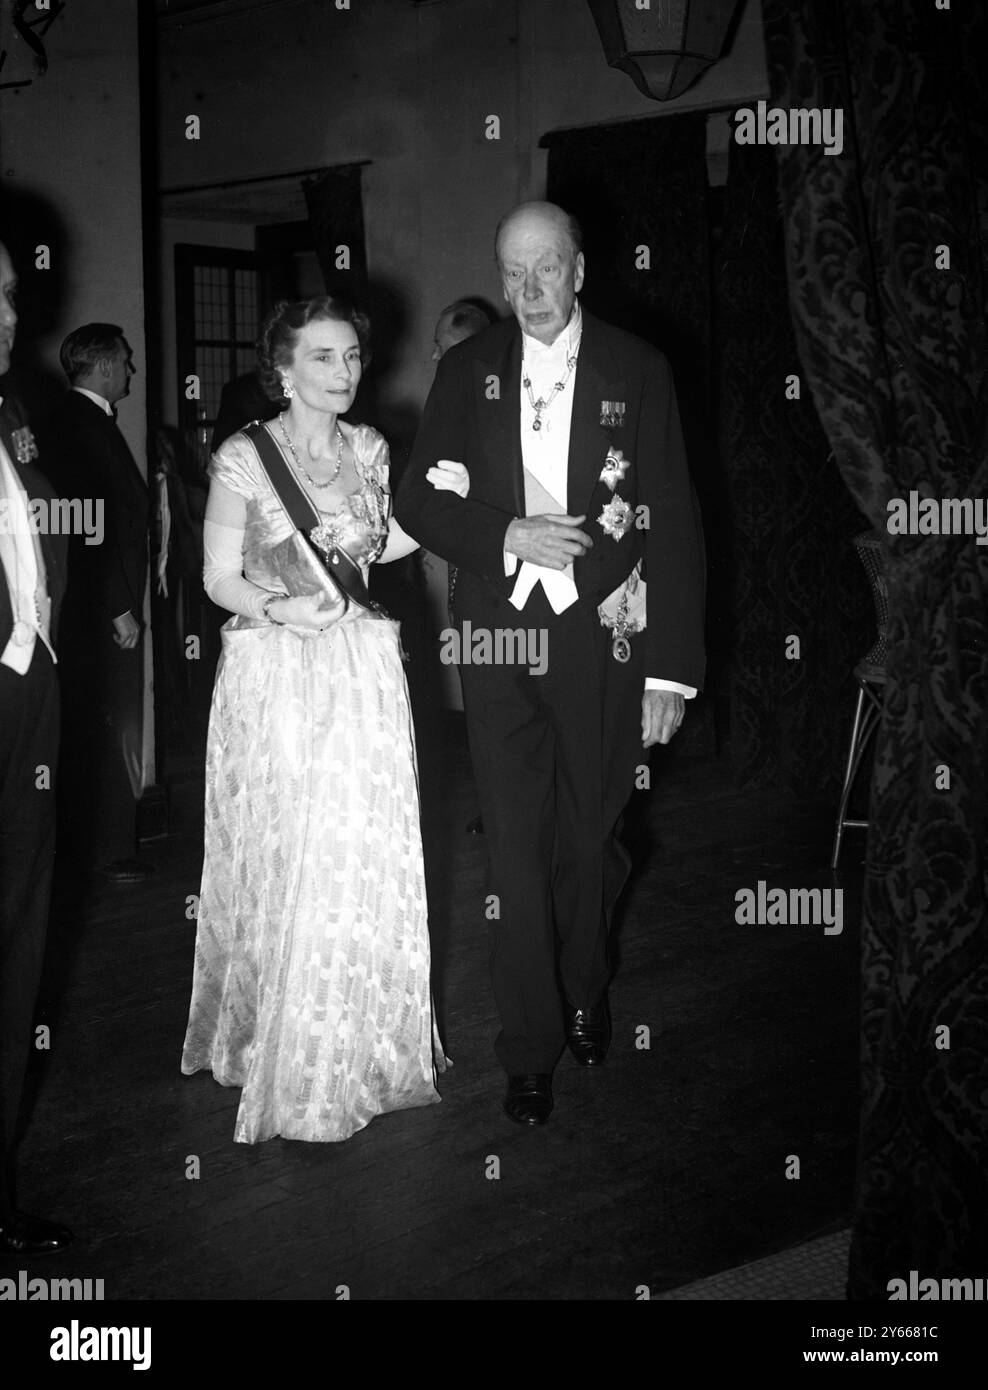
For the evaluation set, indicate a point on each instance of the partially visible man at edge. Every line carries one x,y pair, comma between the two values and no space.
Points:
32,581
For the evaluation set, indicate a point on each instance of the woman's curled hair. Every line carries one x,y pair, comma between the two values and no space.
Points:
279,336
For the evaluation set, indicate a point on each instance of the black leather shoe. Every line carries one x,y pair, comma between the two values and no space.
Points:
21,1234
588,1033
528,1099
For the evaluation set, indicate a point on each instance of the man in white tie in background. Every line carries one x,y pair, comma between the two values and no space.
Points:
32,578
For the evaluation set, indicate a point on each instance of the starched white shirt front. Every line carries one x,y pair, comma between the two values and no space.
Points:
545,453
24,566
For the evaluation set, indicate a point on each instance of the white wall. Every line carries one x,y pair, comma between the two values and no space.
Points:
410,90
302,85
72,139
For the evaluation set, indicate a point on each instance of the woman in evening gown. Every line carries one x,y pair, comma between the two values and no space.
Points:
311,984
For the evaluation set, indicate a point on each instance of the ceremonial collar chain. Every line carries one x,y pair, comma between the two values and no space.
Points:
541,405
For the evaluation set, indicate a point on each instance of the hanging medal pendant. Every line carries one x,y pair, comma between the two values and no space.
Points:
536,423
621,649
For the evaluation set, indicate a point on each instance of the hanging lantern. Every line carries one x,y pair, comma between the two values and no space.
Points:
663,45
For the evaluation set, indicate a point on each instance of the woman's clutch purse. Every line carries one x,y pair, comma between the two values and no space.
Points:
303,572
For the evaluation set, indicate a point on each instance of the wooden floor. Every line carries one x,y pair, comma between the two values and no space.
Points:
666,1166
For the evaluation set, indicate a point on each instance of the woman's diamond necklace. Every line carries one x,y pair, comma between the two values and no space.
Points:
328,482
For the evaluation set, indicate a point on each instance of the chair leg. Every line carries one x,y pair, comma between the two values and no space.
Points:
869,723
853,758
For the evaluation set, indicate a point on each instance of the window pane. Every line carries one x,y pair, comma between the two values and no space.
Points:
219,343
246,294
212,302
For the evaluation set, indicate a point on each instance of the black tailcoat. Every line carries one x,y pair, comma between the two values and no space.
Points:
555,755
29,723
101,728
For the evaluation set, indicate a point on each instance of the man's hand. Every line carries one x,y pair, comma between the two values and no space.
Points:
662,714
449,476
127,631
549,540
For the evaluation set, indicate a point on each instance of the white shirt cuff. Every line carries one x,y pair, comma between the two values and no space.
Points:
687,691
510,564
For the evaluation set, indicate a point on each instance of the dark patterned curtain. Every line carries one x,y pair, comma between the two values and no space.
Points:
644,184
895,350
792,519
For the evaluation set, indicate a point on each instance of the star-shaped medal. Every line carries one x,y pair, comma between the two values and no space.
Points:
614,469
616,518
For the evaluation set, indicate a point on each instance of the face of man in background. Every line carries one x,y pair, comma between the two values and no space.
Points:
540,274
447,336
121,370
8,313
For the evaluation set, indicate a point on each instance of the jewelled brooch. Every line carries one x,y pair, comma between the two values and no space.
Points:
24,446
